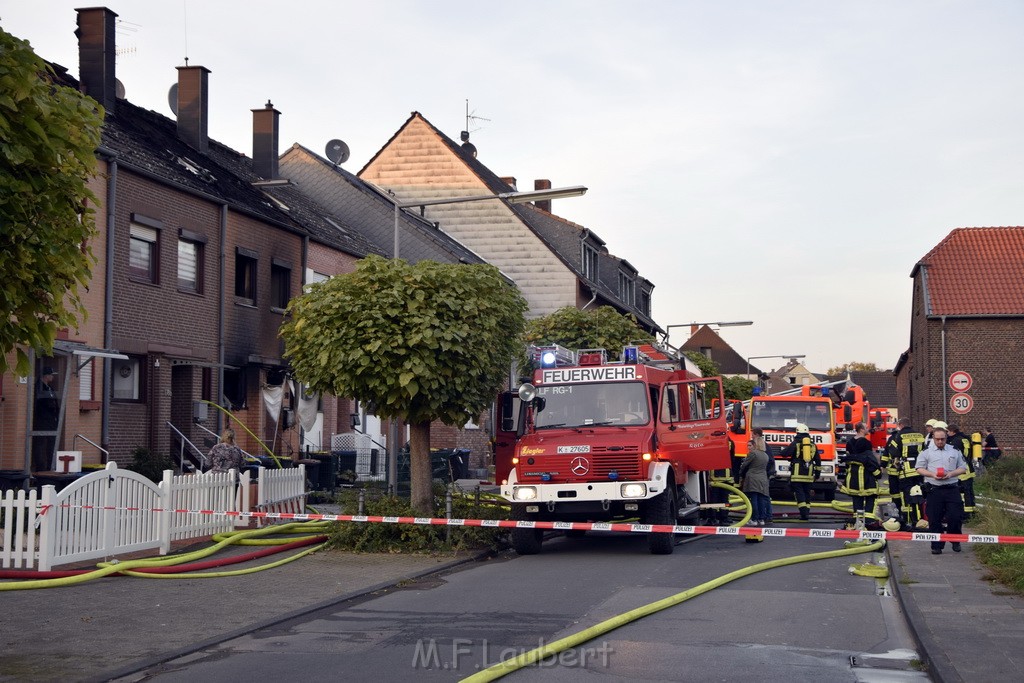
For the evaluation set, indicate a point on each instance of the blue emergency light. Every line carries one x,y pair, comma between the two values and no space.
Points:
630,355
548,359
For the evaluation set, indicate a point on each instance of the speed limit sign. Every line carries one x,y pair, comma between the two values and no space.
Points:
961,403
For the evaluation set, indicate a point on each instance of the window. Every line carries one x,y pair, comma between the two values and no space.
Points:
280,284
85,387
626,288
245,275
645,301
127,381
234,389
589,262
190,261
143,253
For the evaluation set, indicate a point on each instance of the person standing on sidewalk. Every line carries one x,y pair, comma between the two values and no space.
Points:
940,464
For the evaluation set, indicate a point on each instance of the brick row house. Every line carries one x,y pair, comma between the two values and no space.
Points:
199,250
967,316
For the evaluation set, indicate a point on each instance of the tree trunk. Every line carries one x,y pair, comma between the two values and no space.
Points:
421,481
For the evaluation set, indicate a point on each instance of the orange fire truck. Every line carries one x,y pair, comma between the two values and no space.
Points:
778,415
598,441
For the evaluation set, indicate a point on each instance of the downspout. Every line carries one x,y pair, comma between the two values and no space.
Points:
108,305
295,399
945,403
220,314
583,239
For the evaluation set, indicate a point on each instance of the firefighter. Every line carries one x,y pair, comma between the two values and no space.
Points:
962,443
804,467
901,445
862,472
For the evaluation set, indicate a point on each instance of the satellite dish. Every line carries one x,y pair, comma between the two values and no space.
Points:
172,99
337,151
118,89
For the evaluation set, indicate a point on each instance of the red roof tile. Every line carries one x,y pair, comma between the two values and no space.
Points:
976,271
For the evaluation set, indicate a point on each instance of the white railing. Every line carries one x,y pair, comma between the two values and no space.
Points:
112,511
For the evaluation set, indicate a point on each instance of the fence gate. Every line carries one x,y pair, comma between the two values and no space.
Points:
102,516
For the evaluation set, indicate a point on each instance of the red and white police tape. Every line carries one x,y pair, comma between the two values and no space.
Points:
796,532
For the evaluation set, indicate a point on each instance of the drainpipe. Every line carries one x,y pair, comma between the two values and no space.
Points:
108,305
220,313
945,402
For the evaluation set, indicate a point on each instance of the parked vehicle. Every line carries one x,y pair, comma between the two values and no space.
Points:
600,441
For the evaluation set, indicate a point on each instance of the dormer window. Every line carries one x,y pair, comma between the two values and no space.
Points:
589,262
627,288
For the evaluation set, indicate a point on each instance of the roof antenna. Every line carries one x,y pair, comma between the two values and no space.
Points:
464,136
184,16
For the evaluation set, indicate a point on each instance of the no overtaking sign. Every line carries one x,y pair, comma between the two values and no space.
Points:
960,381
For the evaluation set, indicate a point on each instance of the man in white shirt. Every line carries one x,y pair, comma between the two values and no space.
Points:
940,464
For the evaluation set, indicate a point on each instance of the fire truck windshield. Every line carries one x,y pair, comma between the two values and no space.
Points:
617,404
781,415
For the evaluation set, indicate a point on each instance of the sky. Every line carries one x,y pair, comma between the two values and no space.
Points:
784,162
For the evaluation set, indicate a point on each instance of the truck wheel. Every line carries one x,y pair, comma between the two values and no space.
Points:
661,510
525,541
828,495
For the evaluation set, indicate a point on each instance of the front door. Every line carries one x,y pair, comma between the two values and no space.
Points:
688,432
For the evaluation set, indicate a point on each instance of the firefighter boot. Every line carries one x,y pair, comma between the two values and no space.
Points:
858,525
805,512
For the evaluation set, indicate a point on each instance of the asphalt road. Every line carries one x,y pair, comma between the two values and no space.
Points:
807,622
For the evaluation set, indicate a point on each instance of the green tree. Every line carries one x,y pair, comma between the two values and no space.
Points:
50,134
601,328
852,366
420,342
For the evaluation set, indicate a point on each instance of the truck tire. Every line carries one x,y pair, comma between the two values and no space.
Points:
662,510
525,541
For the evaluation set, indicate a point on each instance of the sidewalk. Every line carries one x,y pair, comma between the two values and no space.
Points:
969,629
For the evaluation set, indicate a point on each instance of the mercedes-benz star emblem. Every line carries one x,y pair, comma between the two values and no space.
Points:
580,466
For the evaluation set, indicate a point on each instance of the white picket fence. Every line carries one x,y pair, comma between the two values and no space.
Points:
112,512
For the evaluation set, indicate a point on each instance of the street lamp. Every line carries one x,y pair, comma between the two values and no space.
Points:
510,197
728,323
790,356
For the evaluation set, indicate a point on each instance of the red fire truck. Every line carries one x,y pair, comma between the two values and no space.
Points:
598,441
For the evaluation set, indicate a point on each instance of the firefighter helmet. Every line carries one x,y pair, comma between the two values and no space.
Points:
930,423
915,490
891,524
801,428
939,424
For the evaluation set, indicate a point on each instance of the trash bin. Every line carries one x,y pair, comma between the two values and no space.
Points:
312,474
328,469
458,463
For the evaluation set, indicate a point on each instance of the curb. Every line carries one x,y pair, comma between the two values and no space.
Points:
939,666
156,660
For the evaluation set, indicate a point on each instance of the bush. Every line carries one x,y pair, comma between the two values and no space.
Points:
1003,480
1005,476
415,538
149,465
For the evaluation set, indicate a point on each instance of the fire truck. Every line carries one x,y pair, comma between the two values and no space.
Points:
600,441
778,415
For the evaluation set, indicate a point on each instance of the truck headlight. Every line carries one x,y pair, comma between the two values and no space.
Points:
827,469
525,493
633,490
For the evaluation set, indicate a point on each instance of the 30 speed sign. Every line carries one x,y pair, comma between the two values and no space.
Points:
961,403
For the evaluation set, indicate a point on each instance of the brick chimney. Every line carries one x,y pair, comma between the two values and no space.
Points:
510,181
96,55
264,141
193,106
544,204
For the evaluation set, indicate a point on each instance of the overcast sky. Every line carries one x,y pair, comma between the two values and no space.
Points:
781,162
